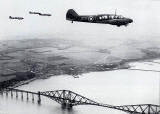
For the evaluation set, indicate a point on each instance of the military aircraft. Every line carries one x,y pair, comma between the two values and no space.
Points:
30,12
112,19
41,14
18,18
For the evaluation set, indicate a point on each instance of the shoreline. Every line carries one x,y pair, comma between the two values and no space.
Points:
14,84
45,58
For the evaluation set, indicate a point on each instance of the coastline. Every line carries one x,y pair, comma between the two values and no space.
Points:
100,68
23,61
16,82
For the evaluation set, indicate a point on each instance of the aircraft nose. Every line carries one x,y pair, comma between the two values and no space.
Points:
130,20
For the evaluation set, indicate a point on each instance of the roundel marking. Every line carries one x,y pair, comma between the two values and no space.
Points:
90,19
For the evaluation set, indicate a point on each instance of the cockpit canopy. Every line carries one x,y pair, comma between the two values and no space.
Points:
104,17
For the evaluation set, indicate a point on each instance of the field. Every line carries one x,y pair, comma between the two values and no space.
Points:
47,57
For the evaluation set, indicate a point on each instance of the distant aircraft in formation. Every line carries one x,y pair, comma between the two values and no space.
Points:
41,14
30,12
112,19
18,18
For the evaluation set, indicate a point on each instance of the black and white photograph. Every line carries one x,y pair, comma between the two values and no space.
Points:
79,57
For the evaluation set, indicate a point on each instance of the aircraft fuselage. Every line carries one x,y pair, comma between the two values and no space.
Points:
40,14
102,19
18,18
34,13
44,14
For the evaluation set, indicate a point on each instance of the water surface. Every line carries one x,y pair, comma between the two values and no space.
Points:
119,87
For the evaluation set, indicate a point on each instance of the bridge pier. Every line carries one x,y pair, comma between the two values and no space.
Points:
27,96
63,99
69,106
66,103
16,94
6,93
32,97
2,93
22,95
39,98
63,105
11,93
66,106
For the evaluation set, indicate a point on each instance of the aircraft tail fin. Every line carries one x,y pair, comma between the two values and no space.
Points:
71,15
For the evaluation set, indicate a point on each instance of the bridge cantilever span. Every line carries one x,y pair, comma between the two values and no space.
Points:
68,99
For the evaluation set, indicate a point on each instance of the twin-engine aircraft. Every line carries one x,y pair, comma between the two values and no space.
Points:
30,12
111,19
41,14
18,18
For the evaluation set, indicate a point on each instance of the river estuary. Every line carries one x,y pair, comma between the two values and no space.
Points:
118,87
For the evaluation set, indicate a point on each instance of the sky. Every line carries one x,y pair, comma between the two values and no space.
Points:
145,14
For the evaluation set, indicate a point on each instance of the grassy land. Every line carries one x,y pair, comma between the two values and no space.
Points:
47,57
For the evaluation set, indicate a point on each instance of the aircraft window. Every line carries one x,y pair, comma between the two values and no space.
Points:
116,17
106,17
121,16
112,16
